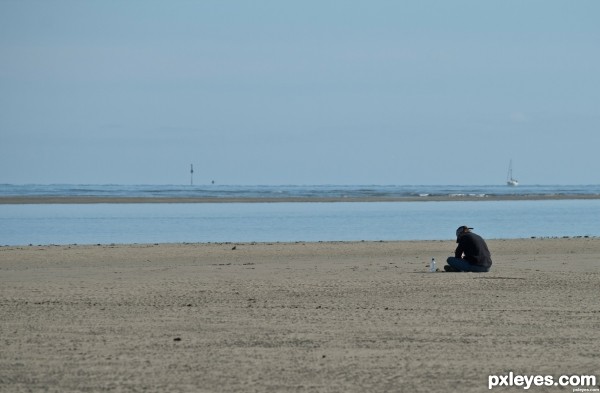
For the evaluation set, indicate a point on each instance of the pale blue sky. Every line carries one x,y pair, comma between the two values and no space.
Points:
299,92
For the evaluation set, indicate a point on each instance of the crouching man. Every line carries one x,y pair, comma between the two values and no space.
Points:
471,255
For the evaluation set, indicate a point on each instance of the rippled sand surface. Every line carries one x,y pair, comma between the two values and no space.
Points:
294,317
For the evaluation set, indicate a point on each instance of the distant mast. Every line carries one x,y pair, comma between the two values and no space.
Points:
191,174
510,181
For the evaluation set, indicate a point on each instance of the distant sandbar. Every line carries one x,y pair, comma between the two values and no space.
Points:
21,200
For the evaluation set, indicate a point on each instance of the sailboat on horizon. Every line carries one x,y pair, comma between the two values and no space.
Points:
510,180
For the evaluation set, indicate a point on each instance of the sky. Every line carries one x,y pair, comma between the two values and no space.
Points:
299,92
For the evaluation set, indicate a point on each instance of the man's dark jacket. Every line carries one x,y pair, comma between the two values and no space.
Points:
475,250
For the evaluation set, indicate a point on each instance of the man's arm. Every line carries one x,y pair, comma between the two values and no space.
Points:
458,253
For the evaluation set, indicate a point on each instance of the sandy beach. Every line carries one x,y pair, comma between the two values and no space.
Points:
295,317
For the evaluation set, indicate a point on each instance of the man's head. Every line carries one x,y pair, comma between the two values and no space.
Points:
462,230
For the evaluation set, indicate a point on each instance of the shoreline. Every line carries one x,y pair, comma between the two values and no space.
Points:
31,200
285,243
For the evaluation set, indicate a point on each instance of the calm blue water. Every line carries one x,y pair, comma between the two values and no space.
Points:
271,222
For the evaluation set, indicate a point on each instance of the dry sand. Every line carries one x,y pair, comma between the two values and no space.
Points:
302,317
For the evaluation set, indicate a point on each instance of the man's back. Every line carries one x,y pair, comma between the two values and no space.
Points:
475,249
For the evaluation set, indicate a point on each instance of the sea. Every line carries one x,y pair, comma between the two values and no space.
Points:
307,221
